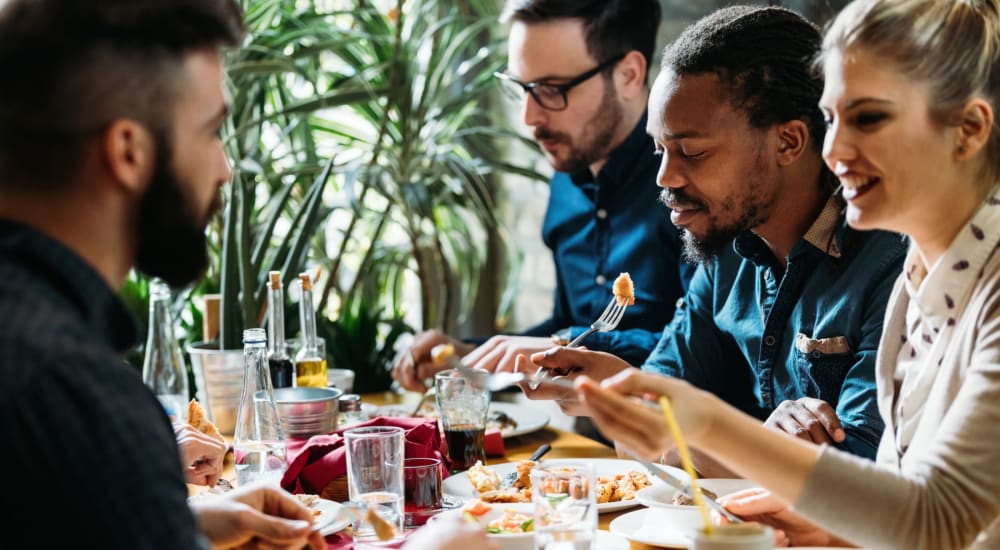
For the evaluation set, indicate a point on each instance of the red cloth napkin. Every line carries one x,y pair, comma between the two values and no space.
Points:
493,443
313,463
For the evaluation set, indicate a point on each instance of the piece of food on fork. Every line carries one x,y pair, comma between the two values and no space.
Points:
623,290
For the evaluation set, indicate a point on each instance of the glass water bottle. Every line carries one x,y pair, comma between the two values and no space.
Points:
310,361
259,441
163,369
278,360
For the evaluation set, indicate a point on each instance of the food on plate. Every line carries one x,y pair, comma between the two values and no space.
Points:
617,488
625,485
680,499
441,354
623,290
495,419
309,501
511,522
198,419
482,480
476,508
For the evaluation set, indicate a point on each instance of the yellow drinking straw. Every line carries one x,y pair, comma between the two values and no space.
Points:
675,431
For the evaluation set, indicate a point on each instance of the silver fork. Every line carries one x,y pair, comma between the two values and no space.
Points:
607,321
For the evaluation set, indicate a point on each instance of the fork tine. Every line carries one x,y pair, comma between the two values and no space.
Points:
617,317
608,311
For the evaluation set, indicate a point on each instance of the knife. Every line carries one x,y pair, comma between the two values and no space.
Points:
680,486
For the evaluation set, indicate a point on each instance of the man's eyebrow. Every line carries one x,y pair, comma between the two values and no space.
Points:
216,120
680,135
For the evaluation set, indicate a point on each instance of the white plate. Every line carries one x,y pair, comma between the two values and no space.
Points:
645,526
325,521
526,541
528,419
659,494
458,485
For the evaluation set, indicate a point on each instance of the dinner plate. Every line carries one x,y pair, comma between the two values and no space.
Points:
458,485
646,527
527,419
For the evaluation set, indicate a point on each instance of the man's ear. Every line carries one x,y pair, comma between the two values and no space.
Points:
974,128
793,140
630,75
130,152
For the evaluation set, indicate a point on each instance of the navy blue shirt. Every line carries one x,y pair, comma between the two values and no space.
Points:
755,337
599,227
89,453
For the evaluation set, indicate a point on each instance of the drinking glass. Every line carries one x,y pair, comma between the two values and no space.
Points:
421,489
463,406
375,477
565,506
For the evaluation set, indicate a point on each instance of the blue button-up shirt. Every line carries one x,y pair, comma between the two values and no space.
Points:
600,227
756,338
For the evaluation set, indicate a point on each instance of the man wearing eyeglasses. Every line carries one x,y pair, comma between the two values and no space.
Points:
579,70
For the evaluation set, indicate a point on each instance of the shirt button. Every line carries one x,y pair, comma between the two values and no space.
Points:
602,213
769,340
600,279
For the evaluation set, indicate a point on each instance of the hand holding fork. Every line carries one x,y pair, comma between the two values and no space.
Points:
607,321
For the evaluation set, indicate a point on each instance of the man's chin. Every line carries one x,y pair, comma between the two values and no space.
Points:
697,250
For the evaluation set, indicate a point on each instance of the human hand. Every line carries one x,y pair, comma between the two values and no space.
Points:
596,365
809,419
790,529
499,353
415,365
450,534
257,516
638,427
202,455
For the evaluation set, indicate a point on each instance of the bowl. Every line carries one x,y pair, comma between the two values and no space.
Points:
307,411
685,519
518,541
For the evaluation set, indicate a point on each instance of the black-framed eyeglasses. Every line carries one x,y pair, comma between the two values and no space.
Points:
550,96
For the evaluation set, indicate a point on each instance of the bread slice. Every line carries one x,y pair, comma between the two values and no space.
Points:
197,418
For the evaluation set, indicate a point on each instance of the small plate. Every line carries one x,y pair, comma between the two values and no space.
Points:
326,521
646,526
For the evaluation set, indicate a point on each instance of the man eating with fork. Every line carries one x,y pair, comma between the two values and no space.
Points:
783,316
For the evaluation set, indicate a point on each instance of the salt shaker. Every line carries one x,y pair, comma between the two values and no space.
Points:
349,410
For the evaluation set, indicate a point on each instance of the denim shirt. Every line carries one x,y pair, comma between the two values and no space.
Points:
599,227
756,339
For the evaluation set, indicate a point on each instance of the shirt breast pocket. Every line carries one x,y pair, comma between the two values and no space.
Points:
822,365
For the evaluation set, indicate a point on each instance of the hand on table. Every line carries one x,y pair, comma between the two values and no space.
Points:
596,365
809,419
450,534
613,408
201,455
257,516
790,529
414,365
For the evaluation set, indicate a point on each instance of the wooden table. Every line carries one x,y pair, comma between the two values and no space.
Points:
564,445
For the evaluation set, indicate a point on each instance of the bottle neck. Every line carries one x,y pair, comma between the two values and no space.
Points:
276,323
256,374
307,317
160,332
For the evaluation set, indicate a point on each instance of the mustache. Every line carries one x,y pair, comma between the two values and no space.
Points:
675,198
543,134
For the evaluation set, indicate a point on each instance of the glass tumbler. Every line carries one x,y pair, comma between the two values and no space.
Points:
565,502
375,478
464,406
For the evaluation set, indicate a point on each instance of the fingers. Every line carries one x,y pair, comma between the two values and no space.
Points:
404,372
628,424
827,417
752,502
559,357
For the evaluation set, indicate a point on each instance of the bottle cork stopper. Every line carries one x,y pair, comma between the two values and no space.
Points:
306,281
275,277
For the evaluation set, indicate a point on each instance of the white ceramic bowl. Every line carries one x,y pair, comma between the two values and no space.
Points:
685,519
520,541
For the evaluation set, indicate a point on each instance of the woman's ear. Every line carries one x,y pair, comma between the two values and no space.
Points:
974,128
129,153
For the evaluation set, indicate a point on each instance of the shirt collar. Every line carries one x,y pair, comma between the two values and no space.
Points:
70,277
941,292
623,159
827,234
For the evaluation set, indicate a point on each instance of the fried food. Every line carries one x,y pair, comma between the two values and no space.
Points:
483,480
623,290
524,468
506,496
198,420
441,354
383,529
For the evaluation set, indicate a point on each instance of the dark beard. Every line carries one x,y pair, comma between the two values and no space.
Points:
602,127
172,243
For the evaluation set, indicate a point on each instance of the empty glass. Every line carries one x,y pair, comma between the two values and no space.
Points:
375,478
